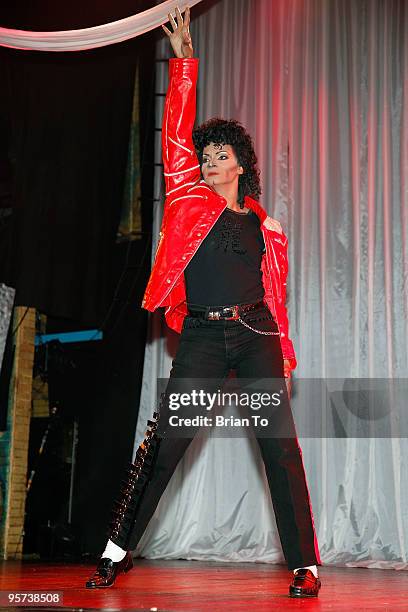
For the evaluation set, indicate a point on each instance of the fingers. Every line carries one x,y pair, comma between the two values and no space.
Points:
172,21
180,27
179,17
186,36
187,16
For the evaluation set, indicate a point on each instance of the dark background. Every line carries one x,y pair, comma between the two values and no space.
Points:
64,135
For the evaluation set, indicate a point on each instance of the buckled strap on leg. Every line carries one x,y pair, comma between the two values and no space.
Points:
133,485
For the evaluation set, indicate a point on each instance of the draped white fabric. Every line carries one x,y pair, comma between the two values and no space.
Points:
90,38
323,88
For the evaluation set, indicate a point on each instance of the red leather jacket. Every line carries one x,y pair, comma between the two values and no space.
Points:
191,209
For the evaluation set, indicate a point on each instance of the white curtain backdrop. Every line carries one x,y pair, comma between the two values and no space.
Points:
90,38
323,88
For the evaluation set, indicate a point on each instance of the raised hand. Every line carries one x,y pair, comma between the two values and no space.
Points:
180,38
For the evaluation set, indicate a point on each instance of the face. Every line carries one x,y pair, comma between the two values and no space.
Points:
220,165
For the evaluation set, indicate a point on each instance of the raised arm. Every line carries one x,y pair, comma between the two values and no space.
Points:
179,158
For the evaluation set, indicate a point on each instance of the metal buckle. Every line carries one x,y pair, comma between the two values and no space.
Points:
213,315
235,313
216,315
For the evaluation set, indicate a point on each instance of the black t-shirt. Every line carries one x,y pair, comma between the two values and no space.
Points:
226,269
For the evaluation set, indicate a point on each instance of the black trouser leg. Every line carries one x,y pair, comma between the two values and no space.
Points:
261,356
290,499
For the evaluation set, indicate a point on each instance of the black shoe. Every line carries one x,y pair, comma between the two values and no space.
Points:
107,570
304,584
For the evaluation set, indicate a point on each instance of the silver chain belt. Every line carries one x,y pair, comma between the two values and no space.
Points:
258,331
235,316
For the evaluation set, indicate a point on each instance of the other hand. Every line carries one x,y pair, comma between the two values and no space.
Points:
287,371
180,38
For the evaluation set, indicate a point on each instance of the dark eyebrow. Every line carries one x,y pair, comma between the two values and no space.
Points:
217,152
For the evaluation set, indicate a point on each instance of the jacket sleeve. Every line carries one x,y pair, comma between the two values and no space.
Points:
179,158
281,252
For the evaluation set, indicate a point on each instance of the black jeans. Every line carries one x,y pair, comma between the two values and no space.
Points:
208,350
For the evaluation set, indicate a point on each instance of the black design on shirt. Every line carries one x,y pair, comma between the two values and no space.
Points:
228,235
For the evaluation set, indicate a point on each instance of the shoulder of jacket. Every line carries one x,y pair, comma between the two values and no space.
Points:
274,226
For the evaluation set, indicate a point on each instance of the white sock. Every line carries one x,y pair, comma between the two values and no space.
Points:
312,568
114,552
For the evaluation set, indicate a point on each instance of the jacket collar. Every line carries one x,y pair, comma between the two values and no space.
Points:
256,208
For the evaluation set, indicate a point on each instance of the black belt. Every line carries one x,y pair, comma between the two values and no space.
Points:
226,313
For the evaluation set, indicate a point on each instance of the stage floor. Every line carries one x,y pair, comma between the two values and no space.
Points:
203,586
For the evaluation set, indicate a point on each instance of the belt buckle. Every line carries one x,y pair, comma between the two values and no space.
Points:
234,313
213,315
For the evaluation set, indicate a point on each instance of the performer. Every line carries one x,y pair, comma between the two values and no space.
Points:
220,272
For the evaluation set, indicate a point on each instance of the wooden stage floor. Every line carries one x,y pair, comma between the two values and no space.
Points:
203,586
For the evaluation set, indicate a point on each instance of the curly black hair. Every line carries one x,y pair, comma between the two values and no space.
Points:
231,132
